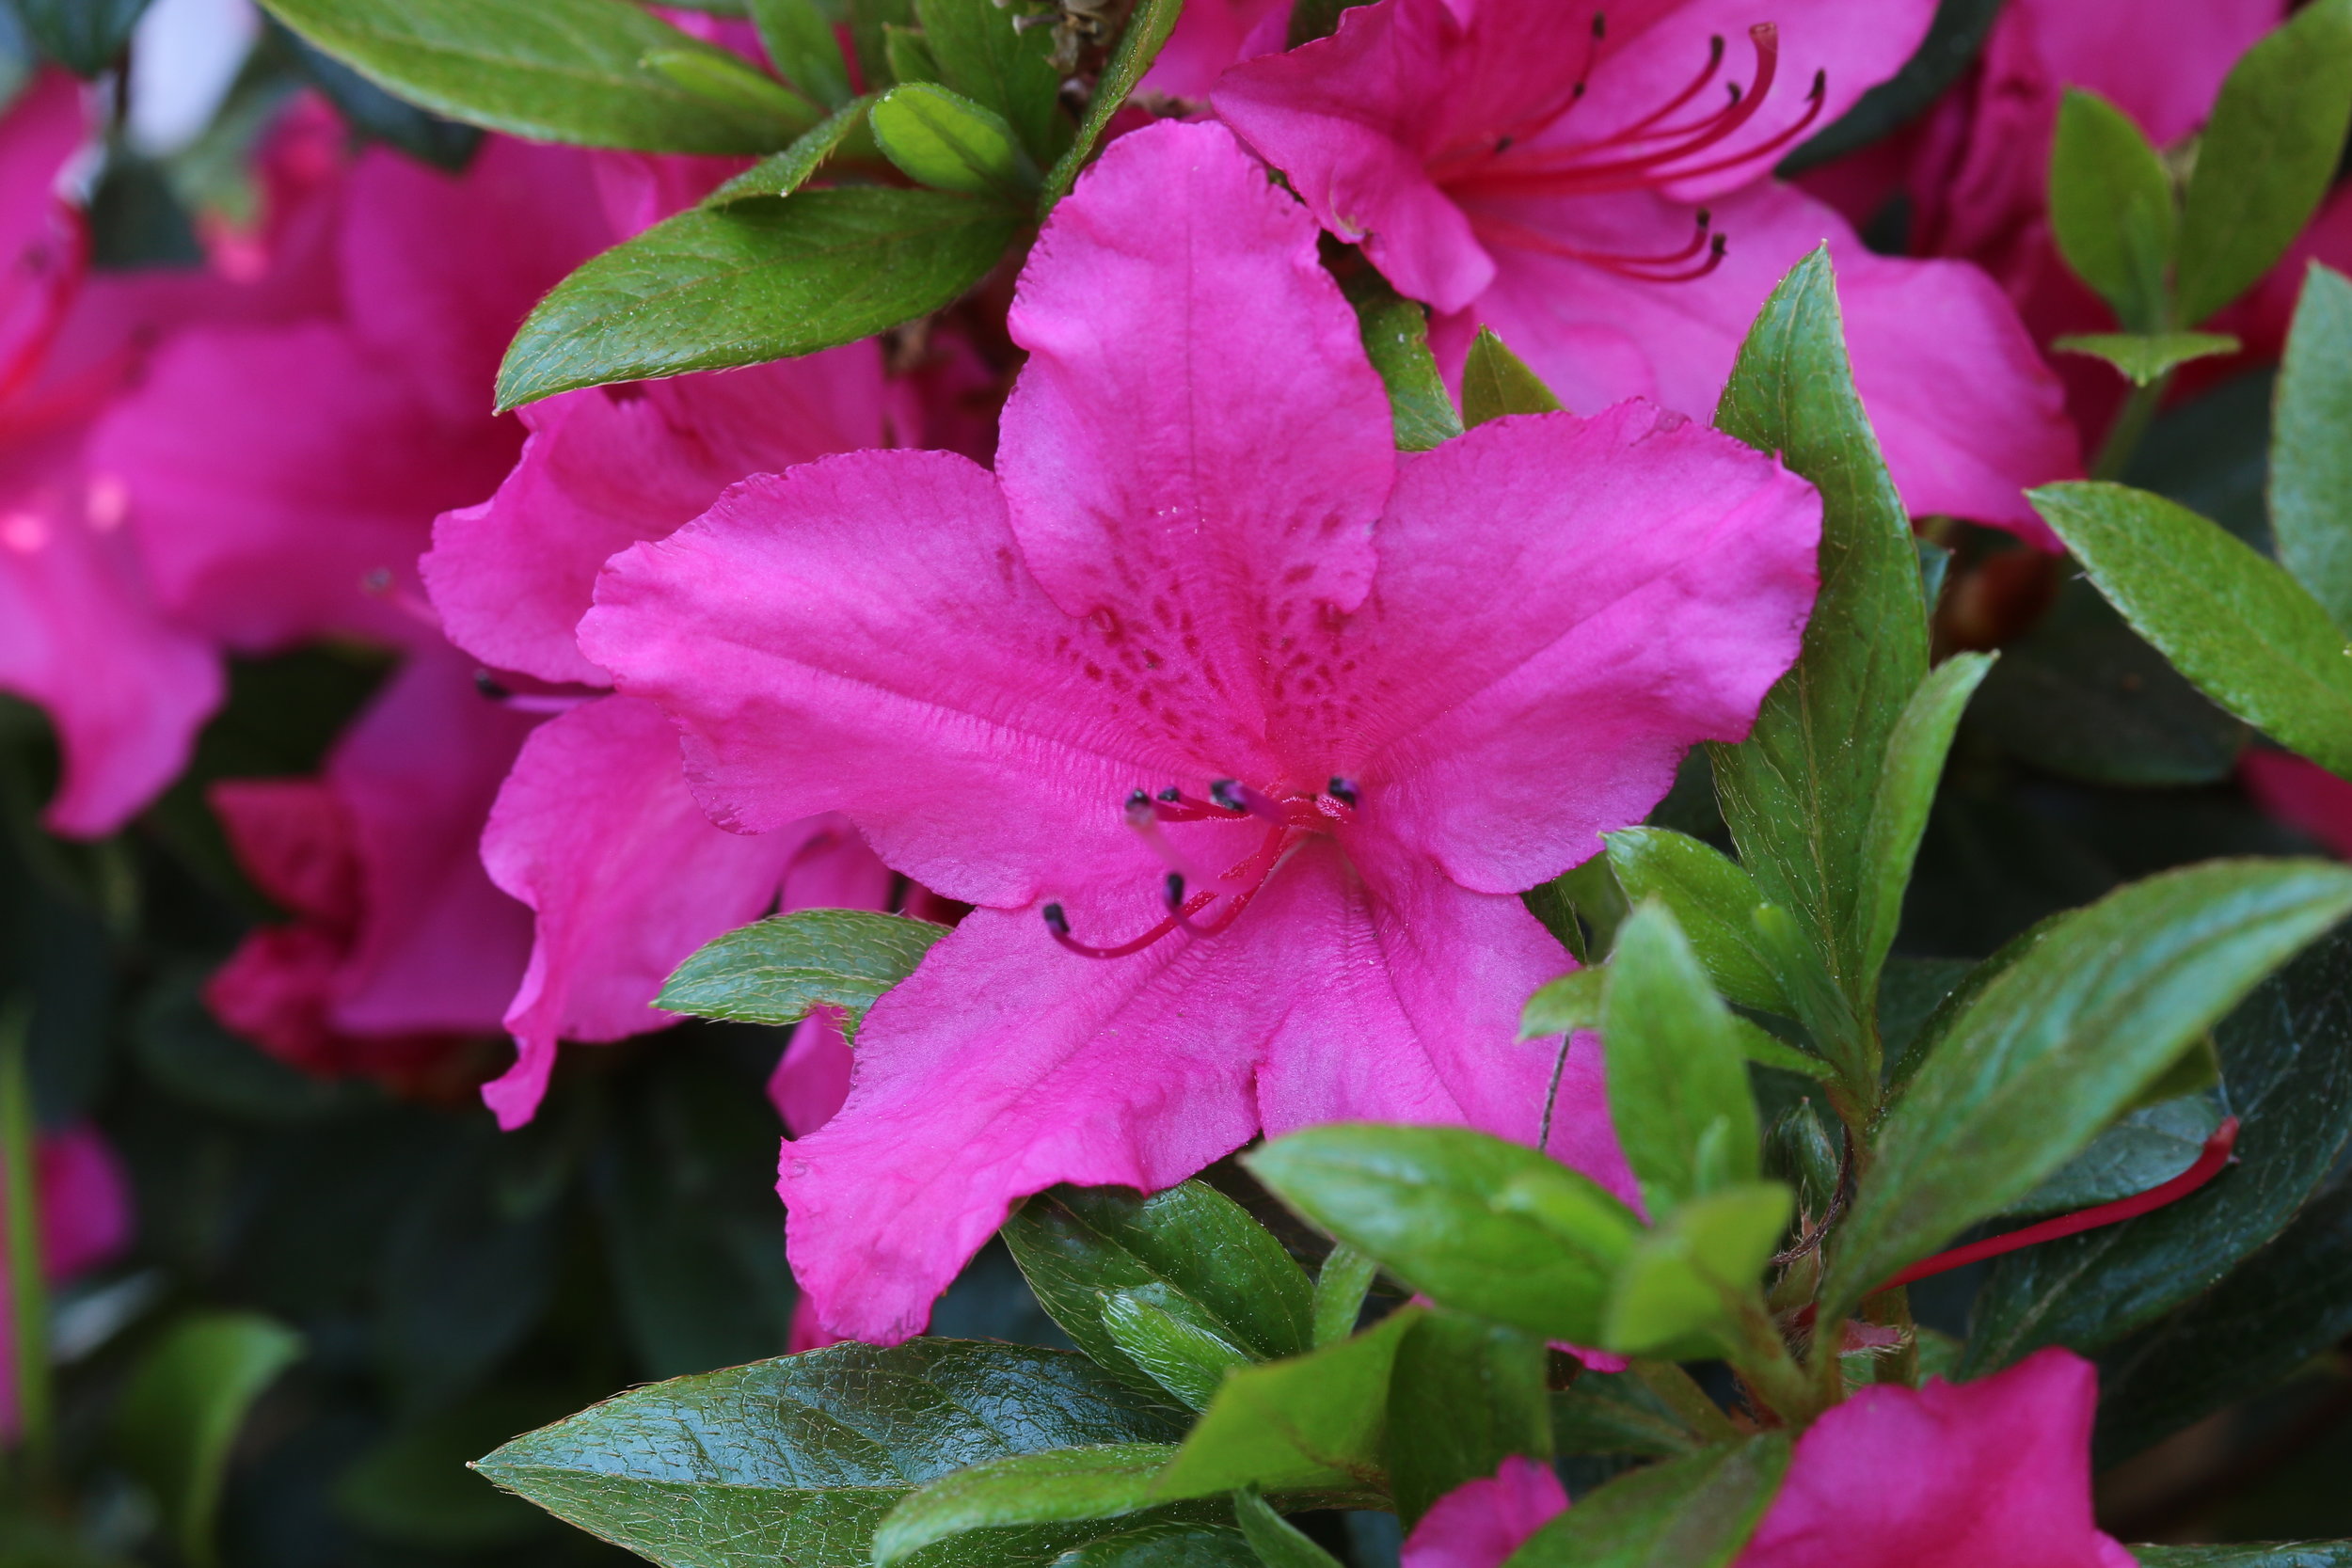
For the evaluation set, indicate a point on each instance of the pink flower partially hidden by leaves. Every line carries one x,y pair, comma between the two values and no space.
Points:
1481,1523
2301,794
1595,184
1242,739
85,1224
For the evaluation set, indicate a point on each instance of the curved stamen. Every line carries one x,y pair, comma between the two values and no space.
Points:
1237,797
1646,269
1249,874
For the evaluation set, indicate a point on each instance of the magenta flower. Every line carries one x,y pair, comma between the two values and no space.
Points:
1599,192
1241,737
1481,1523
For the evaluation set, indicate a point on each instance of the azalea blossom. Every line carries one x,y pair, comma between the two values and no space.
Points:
1241,736
1599,192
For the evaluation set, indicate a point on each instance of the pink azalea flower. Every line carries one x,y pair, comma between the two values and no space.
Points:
1599,195
1200,642
1481,1523
1212,35
85,1224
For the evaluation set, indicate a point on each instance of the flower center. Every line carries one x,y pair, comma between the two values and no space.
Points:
1672,142
1189,890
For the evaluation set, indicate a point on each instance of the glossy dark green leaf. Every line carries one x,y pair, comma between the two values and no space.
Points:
2307,1554
1915,749
2311,444
1677,1085
1616,1413
944,140
83,36
2048,1053
1396,337
1476,1223
2111,208
1678,1286
757,281
1160,1331
1104,1481
1309,1424
1463,1397
182,1409
782,173
2266,157
796,1460
570,70
773,971
2145,1148
1079,1247
2146,359
1798,793
2287,1071
985,55
1162,1543
1274,1540
1696,1512
799,38
1496,382
1341,1286
1148,27
374,113
2241,628
1954,41
1712,900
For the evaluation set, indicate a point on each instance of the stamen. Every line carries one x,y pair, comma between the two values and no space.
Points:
1247,876
528,701
1237,797
1342,791
1674,267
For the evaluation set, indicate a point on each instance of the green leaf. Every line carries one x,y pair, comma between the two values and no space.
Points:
1277,1542
1916,751
1696,1512
757,281
869,24
2311,444
1463,1397
944,140
2237,625
2305,1554
909,56
566,70
1162,1543
182,1409
1712,900
1079,1247
2266,157
1496,382
2146,1147
1678,1083
2111,208
782,173
1341,1286
1616,1413
774,971
1107,1481
83,36
2287,1064
1148,27
1797,794
1678,1287
797,1459
734,85
983,54
1954,41
1565,1005
377,114
1396,337
1474,1222
1312,1423
2147,357
2050,1050
800,40
1154,1330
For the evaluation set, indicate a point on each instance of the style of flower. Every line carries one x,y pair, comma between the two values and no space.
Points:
1599,195
1241,737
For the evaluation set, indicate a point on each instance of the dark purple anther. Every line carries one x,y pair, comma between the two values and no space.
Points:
1343,791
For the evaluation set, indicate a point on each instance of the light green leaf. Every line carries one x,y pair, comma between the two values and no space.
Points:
1684,1276
1107,1481
2266,157
2111,208
2310,445
1341,1286
1186,1357
1148,27
1696,1512
944,140
782,173
734,85
1496,382
1564,1005
180,1412
2148,357
2242,629
757,281
1713,900
1899,817
800,39
1396,338
774,971
1677,1084
1277,1542
2055,1047
1463,1397
983,54
567,71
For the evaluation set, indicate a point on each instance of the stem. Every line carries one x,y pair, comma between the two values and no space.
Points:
1680,1393
1892,1310
2130,428
1771,1371
29,1296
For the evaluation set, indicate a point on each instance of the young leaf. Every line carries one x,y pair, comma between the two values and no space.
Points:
1564,1005
2052,1049
2310,445
1712,900
1696,1512
757,280
735,85
1341,1286
1079,1246
985,56
869,21
1158,1330
1474,1222
1797,793
2111,208
2145,358
801,42
1396,338
782,173
1277,1542
567,71
1677,1288
1677,1084
2237,625
1105,1481
83,36
1463,1397
182,1409
2266,157
909,56
753,1466
1496,382
944,140
1899,817
773,971
1148,27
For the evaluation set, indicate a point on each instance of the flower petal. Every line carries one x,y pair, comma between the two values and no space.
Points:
1481,1523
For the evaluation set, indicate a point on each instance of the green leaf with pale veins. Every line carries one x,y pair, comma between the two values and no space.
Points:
1148,27
774,971
2111,208
1160,1331
2276,1554
1696,1512
760,279
1496,382
944,140
1108,1481
2240,628
2310,445
567,71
